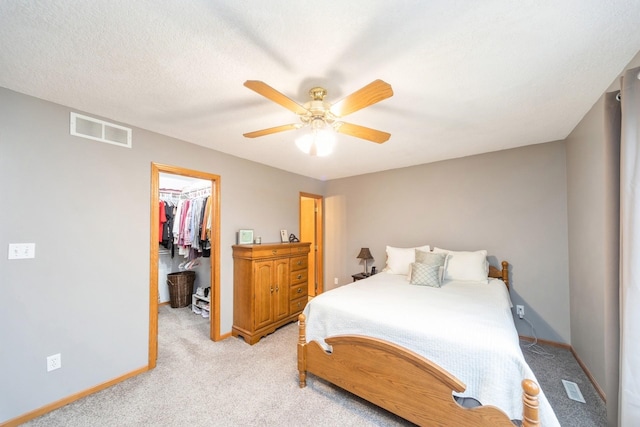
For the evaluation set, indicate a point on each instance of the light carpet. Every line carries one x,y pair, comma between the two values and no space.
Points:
198,382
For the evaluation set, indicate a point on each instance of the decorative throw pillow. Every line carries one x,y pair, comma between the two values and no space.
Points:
425,275
430,258
464,265
399,259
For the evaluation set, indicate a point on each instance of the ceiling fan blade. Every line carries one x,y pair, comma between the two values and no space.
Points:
375,91
270,93
362,132
269,131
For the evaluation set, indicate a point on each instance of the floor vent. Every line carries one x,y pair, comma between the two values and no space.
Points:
99,130
573,391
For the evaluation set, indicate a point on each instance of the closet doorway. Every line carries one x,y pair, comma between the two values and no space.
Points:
311,209
204,183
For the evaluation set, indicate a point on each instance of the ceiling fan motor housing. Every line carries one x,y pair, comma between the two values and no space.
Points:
317,93
317,109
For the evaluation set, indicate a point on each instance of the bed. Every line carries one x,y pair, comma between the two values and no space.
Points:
419,351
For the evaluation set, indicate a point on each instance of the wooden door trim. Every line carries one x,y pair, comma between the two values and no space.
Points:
214,318
319,236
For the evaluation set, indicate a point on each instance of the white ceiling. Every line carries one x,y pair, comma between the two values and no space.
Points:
468,76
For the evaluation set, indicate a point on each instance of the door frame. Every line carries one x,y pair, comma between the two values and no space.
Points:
214,317
319,236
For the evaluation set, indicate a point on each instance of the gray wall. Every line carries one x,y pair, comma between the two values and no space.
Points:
512,203
593,186
86,206
593,183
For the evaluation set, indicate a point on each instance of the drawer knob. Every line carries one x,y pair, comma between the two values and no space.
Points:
275,251
299,290
299,262
299,276
299,304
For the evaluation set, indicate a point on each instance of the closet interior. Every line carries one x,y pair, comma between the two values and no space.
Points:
184,263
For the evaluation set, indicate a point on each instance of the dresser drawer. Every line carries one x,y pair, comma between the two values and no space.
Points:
299,263
297,291
301,248
270,252
299,276
297,305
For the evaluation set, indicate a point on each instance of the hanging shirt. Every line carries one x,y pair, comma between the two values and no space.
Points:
167,237
205,229
184,245
177,221
163,220
206,220
194,226
184,222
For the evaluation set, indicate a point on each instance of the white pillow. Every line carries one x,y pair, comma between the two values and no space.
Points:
399,259
465,265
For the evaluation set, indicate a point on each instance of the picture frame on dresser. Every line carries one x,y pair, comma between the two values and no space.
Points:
244,237
284,236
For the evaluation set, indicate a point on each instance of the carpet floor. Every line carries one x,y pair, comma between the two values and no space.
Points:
198,382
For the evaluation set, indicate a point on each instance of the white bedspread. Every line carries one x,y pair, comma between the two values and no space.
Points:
464,327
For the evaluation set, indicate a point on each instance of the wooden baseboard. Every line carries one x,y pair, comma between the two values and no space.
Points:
225,336
599,390
72,398
593,380
546,342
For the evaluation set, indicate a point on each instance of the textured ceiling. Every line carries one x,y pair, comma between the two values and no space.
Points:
468,76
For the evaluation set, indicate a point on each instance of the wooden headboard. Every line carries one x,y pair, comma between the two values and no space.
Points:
501,274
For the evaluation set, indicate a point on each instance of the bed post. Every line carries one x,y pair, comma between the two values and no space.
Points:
302,350
530,404
505,273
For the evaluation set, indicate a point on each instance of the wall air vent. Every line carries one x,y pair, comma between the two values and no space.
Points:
99,130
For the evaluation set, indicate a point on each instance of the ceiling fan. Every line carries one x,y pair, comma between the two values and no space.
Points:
319,114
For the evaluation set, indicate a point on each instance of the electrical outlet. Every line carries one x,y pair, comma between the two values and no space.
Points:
335,280
54,362
520,311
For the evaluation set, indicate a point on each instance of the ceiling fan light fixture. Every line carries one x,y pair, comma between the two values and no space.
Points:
317,143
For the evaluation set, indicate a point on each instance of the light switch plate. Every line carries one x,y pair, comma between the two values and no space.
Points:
22,250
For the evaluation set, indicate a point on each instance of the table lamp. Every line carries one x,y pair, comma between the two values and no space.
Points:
365,254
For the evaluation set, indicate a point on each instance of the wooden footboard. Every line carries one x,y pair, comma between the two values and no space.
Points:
401,381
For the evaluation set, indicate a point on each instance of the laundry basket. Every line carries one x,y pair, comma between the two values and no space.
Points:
180,288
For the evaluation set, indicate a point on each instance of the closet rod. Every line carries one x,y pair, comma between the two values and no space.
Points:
195,192
170,191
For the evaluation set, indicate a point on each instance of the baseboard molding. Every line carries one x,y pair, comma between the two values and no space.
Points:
546,342
593,380
225,336
599,390
72,398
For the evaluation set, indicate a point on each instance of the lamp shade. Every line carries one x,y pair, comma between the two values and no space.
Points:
365,254
320,141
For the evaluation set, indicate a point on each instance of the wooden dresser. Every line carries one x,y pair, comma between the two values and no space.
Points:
269,287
